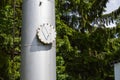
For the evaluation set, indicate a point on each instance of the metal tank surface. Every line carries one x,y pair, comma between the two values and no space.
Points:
117,71
38,60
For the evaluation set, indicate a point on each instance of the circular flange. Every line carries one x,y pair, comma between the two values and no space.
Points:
46,33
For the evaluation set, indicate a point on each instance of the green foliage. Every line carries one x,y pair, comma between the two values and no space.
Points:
61,75
9,41
87,51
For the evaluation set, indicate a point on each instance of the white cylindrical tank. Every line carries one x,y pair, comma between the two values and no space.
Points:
38,60
117,71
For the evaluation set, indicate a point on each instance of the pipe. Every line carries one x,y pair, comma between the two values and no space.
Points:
38,60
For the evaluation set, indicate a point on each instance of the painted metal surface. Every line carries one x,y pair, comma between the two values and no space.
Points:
117,71
38,61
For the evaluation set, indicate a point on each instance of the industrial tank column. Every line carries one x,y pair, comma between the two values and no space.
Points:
38,48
